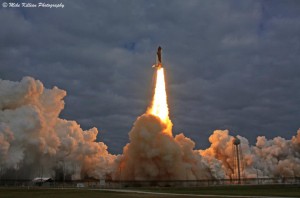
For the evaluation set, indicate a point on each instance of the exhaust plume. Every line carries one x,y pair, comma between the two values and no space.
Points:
159,105
35,142
154,154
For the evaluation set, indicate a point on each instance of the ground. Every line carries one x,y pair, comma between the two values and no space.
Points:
218,191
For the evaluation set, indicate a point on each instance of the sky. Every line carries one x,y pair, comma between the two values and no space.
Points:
229,64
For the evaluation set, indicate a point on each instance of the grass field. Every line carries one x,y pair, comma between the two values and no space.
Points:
277,190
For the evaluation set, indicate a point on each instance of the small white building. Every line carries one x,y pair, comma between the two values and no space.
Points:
80,185
102,183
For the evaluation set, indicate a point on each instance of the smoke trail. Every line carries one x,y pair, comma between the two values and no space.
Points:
34,140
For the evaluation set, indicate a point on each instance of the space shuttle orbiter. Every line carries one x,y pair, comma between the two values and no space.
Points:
158,58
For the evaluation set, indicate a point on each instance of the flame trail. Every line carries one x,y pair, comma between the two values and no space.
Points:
159,104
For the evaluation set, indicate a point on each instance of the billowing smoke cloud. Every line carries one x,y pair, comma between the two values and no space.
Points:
269,158
36,141
153,154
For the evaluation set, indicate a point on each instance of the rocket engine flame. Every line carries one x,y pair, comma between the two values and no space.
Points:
159,106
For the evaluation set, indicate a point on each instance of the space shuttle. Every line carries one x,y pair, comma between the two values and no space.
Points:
158,58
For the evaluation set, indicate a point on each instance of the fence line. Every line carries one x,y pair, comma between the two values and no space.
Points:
93,183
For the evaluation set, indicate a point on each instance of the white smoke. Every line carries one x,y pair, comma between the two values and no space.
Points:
278,157
269,158
153,154
33,138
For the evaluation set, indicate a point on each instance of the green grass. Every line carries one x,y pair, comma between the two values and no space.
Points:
253,190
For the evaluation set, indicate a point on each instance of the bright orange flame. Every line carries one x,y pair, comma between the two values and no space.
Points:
159,106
